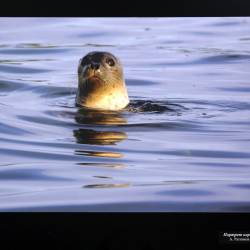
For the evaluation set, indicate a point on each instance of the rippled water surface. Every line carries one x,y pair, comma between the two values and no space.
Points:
183,145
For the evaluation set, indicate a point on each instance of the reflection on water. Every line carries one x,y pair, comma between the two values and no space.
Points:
101,165
95,137
85,116
182,144
98,154
90,136
106,186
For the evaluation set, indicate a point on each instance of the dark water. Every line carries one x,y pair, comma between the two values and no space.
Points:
183,144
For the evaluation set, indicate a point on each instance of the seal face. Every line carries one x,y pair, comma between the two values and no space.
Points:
100,82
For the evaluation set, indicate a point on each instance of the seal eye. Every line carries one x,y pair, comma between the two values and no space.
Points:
110,62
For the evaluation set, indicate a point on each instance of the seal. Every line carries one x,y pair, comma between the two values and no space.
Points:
101,83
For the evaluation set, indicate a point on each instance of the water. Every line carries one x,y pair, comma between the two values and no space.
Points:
183,145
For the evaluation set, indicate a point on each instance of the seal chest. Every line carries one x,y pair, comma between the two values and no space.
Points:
101,83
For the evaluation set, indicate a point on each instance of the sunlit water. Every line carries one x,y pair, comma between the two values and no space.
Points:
184,144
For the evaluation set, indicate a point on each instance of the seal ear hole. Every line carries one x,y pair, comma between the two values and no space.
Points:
110,62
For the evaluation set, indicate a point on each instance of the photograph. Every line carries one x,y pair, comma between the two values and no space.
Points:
125,114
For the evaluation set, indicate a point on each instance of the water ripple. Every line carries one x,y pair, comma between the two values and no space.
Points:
21,70
181,144
28,175
32,51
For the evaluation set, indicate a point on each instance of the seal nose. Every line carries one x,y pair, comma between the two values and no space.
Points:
94,65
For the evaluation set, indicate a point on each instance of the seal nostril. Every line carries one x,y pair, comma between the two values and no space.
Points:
95,66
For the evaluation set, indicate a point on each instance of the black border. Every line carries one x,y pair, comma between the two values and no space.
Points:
108,231
125,8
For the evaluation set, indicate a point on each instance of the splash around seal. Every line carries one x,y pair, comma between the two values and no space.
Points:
101,83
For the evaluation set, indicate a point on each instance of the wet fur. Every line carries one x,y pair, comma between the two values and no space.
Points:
104,88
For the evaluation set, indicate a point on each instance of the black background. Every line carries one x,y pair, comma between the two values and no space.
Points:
107,231
125,8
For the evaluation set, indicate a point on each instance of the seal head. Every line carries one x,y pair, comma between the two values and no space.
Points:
100,82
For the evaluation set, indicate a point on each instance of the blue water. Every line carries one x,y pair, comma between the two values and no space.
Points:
184,147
